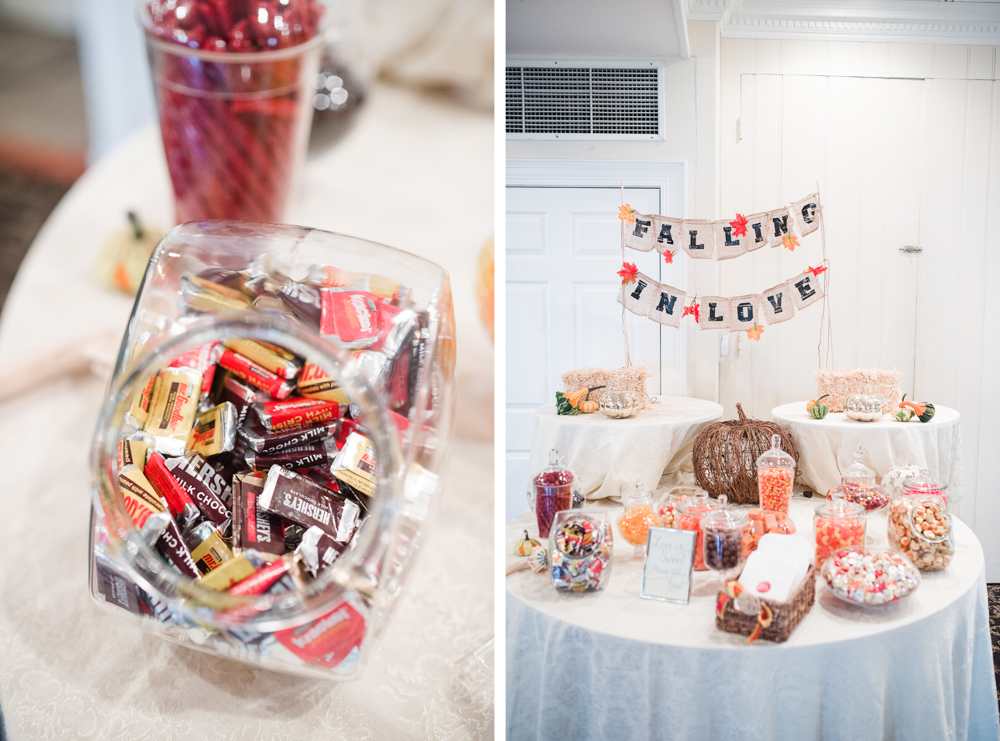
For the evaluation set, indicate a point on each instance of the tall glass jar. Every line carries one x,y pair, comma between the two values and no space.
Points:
689,516
552,490
638,517
722,536
837,524
390,378
775,477
666,508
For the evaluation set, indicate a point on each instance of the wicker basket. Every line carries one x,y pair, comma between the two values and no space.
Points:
786,614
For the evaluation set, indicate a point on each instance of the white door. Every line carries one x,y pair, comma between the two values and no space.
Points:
563,253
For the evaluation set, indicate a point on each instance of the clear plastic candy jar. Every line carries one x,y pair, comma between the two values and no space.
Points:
925,485
580,546
638,517
330,360
857,484
759,523
775,477
666,508
689,515
920,527
838,524
551,490
722,540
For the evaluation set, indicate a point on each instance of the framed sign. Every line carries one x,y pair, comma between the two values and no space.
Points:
669,564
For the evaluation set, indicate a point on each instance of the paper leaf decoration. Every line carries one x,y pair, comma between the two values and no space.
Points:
693,311
817,271
626,213
668,257
790,241
739,225
755,332
628,272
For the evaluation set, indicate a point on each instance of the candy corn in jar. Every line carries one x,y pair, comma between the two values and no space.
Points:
775,477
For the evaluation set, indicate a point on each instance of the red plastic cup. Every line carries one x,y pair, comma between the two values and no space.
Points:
235,124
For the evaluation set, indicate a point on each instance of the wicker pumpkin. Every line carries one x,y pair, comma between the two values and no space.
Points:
725,456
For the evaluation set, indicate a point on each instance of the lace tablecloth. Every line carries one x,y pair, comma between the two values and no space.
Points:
610,455
612,665
826,447
70,670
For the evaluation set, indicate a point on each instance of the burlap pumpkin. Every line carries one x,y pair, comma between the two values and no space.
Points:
725,456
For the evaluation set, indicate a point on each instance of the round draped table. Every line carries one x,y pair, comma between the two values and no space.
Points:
71,670
612,665
610,455
826,446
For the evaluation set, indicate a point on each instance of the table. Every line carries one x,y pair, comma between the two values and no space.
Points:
67,668
826,446
612,665
609,455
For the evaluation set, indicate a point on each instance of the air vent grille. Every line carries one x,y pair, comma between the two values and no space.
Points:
585,101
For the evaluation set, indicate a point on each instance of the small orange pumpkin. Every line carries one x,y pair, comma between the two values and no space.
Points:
587,406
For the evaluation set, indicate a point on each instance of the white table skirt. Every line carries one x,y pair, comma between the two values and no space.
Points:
610,455
612,665
69,669
826,447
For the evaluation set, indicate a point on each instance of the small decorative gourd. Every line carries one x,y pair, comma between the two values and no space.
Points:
576,402
923,410
524,545
817,410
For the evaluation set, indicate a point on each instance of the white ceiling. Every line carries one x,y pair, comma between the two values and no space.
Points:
597,28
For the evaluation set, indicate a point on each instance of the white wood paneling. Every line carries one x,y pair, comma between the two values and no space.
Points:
904,140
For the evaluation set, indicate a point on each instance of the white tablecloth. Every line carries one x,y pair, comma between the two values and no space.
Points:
610,455
826,446
612,665
70,670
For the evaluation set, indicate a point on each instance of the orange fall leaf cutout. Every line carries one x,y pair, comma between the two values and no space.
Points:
739,225
693,311
628,273
668,257
790,241
816,271
626,213
755,332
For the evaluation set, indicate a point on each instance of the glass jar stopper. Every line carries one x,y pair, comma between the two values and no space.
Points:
858,474
775,457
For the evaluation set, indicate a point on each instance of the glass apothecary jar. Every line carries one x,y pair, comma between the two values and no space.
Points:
580,546
666,508
288,556
638,517
551,490
924,484
857,484
775,477
920,527
722,537
838,524
689,515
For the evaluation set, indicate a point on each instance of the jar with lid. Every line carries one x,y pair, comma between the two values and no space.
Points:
689,515
775,477
838,524
306,333
920,527
924,484
580,546
552,490
666,508
639,516
857,484
759,523
722,540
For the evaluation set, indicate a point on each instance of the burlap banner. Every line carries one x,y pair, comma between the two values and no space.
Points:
724,240
667,305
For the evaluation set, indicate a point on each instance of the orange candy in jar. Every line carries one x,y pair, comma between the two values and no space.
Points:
638,517
667,507
838,524
775,477
761,522
689,517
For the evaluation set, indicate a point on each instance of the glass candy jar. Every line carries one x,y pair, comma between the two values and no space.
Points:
639,516
775,477
837,524
551,490
666,508
920,527
287,559
925,485
857,484
689,515
580,546
759,523
722,540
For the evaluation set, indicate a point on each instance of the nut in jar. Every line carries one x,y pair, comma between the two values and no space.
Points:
920,527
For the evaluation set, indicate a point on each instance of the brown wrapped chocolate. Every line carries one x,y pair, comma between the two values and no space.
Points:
299,499
214,430
261,440
203,484
252,527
